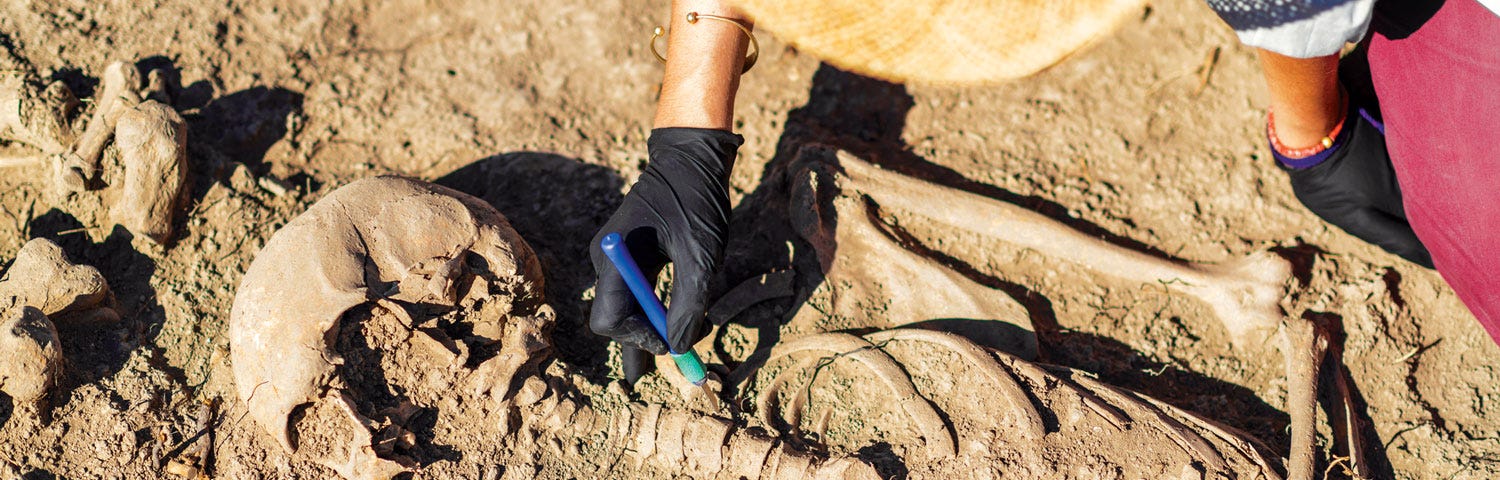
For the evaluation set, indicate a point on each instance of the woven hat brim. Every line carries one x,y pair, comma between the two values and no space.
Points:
954,42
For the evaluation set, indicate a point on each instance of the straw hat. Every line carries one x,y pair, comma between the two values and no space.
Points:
940,41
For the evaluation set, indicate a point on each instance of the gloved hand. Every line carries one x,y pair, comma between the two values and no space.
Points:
677,212
1353,186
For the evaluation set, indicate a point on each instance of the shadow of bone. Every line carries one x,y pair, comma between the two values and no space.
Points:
866,117
556,203
1331,374
242,126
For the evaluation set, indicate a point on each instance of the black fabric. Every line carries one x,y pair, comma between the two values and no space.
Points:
678,213
1355,189
1398,19
1253,14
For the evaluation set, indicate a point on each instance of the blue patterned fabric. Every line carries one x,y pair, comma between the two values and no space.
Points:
1297,28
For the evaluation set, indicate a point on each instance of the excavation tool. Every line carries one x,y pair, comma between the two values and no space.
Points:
614,248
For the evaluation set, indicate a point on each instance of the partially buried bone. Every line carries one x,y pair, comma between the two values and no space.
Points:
1123,432
866,269
153,146
118,92
34,115
32,361
150,135
329,321
42,277
1304,345
675,441
385,237
1244,293
40,283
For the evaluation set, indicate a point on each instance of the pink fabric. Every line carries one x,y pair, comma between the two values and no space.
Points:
1439,90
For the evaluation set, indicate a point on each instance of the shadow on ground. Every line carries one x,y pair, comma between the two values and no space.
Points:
556,203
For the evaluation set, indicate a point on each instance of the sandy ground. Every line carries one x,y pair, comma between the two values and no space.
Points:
542,108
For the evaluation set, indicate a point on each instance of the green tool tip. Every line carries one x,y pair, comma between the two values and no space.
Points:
691,367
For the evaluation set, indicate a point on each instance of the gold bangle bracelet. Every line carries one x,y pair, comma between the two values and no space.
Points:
692,17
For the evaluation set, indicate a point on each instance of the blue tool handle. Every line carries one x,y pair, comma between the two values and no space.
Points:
614,248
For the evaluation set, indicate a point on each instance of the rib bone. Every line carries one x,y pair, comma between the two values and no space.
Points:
1145,425
940,441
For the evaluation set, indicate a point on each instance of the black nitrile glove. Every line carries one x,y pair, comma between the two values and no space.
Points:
1353,186
677,212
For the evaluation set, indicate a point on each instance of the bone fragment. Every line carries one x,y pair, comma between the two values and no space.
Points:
33,115
32,361
117,93
645,430
1348,422
42,276
789,465
846,469
522,344
358,460
153,146
21,161
156,87
748,454
703,443
1243,293
669,447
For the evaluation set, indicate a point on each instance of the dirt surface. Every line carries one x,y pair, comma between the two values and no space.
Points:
1151,139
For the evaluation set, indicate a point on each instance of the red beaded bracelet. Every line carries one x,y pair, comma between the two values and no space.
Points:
1304,152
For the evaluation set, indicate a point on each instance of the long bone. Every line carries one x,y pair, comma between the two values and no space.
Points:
1304,345
866,269
119,90
1244,293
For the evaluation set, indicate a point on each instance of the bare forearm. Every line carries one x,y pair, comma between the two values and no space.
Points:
704,61
1305,96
